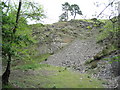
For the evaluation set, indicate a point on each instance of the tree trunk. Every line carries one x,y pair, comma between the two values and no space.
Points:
5,76
75,15
67,15
17,17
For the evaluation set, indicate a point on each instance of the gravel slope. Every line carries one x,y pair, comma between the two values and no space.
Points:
75,54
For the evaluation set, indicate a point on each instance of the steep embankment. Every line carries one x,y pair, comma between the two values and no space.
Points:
56,36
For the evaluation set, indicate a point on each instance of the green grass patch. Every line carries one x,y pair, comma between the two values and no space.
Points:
47,76
30,66
68,79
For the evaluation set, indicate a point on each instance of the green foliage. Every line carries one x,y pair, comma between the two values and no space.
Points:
63,17
12,43
73,9
32,10
107,31
18,44
113,59
88,27
65,8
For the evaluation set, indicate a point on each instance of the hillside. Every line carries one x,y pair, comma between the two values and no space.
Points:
55,36
68,51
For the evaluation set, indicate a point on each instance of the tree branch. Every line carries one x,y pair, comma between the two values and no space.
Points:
105,8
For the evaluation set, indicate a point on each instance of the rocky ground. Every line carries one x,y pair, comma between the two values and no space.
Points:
78,52
75,54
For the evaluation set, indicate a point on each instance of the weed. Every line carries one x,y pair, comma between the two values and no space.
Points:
88,61
93,65
8,86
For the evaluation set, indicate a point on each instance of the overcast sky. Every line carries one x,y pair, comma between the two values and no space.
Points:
53,9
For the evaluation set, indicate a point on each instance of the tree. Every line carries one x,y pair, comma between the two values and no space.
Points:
15,32
65,8
7,50
75,10
62,17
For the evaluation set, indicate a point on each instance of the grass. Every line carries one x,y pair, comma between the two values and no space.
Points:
40,58
30,66
35,75
90,20
68,79
34,63
56,77
8,86
31,63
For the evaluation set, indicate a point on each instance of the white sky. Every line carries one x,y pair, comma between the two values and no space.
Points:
53,9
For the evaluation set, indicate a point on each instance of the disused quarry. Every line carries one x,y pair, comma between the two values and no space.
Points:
72,47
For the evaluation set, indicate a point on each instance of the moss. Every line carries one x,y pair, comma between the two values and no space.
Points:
88,27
